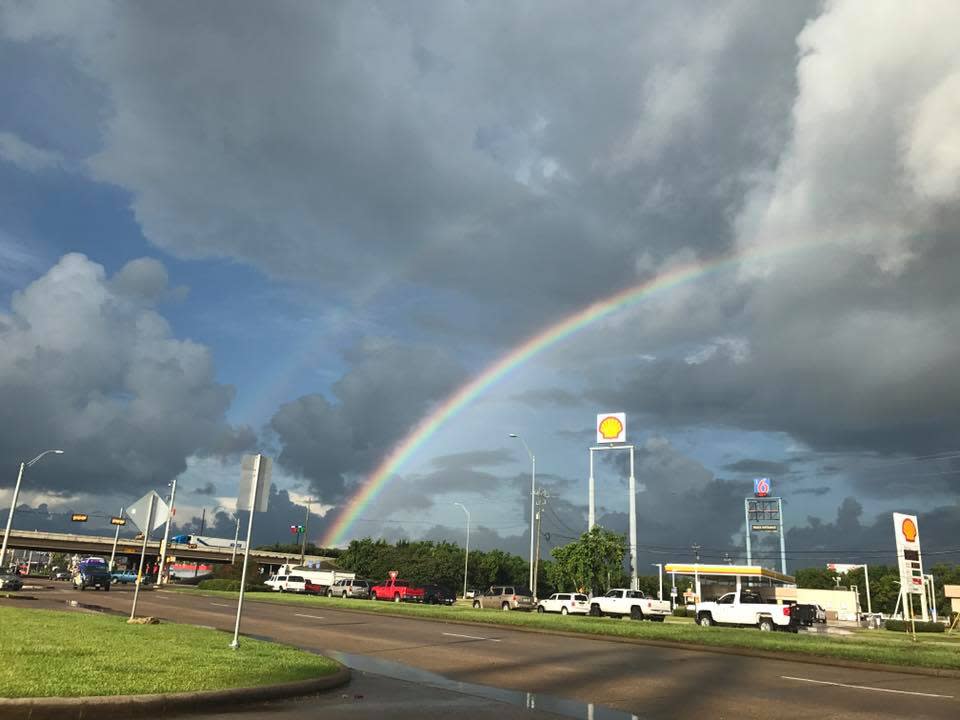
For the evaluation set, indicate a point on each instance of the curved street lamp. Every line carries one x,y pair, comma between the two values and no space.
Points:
533,494
16,496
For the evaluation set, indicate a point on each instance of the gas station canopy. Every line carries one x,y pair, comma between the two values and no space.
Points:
746,571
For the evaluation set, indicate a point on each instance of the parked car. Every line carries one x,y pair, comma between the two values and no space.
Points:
505,597
821,614
294,583
350,588
10,582
565,604
312,588
275,582
437,595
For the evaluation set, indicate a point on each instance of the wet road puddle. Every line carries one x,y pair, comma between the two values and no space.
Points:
528,701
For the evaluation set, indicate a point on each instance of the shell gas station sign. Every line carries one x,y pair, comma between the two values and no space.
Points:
611,428
908,552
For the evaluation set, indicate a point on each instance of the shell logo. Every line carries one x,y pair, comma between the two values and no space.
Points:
909,529
610,428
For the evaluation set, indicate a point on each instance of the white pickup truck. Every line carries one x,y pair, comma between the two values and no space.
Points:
620,601
745,607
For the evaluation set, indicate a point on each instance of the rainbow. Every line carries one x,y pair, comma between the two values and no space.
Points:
516,357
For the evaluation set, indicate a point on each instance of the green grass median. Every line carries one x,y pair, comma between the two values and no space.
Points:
873,646
46,653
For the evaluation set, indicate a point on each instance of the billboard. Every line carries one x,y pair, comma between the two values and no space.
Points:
611,428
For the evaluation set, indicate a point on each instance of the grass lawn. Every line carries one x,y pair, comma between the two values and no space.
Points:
46,653
876,646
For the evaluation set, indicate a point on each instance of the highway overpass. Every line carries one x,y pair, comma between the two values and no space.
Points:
102,546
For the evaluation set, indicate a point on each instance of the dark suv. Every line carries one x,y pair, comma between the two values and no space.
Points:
92,574
437,595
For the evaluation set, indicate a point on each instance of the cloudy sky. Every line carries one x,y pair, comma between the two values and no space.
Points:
299,227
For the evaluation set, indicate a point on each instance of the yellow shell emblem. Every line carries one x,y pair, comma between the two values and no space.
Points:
610,428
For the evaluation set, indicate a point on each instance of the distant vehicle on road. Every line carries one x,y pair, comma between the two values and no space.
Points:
59,573
288,583
745,607
397,590
205,541
125,577
350,588
92,572
10,582
565,604
504,597
621,602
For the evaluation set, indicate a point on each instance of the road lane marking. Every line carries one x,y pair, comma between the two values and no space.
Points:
865,687
470,637
315,617
221,605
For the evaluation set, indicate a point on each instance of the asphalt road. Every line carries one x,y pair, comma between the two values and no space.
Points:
646,681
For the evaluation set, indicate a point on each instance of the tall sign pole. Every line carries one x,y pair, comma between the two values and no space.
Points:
151,512
746,528
254,494
783,551
611,435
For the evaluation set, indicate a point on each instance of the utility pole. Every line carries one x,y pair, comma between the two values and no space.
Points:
116,537
203,522
541,498
306,525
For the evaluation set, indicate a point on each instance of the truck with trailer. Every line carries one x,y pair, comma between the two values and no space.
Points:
205,541
623,602
314,576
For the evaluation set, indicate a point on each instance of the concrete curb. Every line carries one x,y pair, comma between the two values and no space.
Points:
799,657
128,706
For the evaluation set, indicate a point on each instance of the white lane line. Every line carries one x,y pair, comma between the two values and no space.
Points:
221,605
470,637
315,617
864,687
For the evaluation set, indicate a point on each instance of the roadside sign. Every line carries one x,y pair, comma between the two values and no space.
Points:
79,517
907,533
761,487
117,521
255,473
139,511
611,427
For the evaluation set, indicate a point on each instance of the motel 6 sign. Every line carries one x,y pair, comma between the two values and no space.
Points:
761,487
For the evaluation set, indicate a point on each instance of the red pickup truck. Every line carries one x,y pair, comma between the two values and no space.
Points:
397,590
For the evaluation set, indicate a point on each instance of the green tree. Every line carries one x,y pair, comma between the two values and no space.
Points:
593,563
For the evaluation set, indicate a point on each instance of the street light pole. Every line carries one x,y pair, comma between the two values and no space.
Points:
166,531
16,496
466,554
533,494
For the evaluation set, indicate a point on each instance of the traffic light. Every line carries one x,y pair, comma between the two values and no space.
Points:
296,529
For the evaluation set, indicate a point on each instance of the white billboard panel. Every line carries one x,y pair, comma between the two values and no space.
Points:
255,474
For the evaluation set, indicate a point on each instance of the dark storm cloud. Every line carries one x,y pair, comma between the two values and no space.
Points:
88,365
816,491
754,466
463,147
473,458
208,489
547,397
387,389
